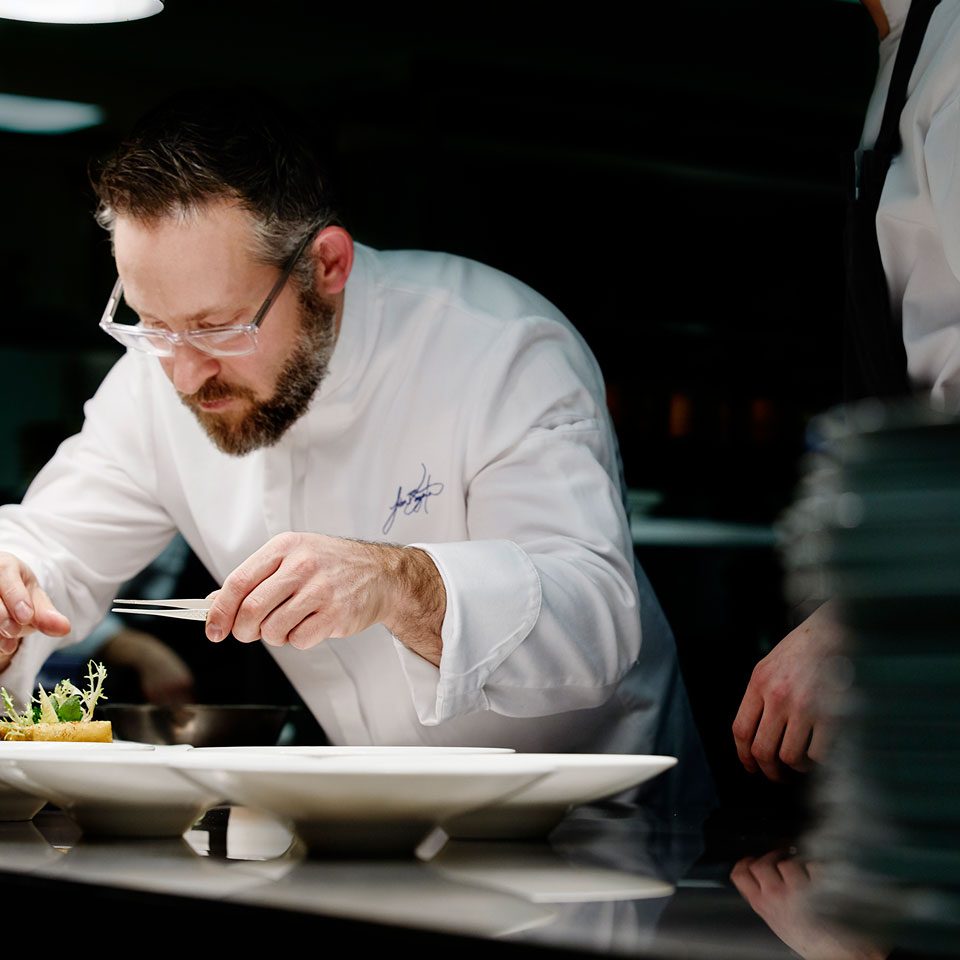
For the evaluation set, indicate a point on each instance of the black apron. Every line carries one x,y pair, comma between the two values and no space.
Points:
874,358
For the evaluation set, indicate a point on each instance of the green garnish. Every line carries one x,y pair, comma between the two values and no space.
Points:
70,709
66,704
10,710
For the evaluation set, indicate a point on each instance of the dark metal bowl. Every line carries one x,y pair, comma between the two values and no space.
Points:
199,724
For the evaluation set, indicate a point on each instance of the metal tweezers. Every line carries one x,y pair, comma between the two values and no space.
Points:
184,609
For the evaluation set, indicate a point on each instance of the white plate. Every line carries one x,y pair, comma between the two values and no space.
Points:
357,751
577,778
366,805
81,746
111,792
20,802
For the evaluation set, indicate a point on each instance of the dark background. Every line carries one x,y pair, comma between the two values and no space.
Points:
676,185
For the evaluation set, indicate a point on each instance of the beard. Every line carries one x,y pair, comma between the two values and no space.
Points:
266,421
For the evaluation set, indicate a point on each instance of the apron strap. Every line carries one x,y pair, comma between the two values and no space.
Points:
874,357
914,28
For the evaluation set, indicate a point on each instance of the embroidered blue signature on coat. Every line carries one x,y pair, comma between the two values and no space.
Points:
415,499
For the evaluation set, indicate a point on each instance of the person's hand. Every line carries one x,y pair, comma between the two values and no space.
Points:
775,885
304,588
24,608
165,678
780,722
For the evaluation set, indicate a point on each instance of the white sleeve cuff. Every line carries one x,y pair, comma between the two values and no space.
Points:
493,602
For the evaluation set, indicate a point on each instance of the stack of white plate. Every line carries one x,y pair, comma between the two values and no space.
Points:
876,528
341,801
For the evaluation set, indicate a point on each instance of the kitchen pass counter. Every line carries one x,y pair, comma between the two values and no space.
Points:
610,881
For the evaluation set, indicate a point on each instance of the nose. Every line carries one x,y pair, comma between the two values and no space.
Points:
189,369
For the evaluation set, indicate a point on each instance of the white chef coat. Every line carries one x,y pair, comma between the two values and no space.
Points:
918,219
461,413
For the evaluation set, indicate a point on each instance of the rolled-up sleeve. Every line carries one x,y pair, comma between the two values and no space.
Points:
542,608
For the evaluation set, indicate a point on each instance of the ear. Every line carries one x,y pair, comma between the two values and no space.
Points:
332,251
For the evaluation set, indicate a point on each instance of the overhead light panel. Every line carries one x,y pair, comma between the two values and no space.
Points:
37,115
79,11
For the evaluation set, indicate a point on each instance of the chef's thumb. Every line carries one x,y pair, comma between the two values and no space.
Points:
47,617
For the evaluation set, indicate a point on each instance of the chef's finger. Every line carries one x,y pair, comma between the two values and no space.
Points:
9,628
237,587
741,876
264,600
772,857
745,727
311,631
311,601
9,636
796,740
48,619
766,743
276,627
8,645
14,593
11,632
794,873
766,870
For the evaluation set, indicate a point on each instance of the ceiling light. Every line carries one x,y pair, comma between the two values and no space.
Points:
37,115
79,11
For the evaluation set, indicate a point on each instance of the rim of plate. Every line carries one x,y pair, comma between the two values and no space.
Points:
470,765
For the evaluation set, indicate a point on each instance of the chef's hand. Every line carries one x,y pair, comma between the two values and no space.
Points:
24,608
303,588
780,722
776,886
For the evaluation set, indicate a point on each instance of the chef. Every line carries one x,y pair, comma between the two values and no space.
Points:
399,465
903,335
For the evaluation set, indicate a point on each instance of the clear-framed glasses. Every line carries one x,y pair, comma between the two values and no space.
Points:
234,341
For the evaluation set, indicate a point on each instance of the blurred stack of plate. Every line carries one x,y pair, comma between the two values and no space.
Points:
876,528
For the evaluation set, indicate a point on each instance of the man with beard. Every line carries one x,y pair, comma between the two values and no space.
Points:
413,491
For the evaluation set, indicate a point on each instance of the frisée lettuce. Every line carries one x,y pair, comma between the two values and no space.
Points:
65,704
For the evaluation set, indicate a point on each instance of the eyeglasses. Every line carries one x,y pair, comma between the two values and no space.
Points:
233,341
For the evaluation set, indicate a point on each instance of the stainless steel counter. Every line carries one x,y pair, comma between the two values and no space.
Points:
610,881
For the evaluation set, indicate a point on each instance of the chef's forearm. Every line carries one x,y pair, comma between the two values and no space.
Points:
419,602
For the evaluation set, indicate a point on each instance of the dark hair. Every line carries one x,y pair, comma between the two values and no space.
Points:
211,144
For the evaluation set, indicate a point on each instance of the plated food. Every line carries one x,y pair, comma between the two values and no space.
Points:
63,716
340,800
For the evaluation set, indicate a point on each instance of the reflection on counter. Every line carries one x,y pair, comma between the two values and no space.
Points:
777,886
527,891
610,880
601,882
